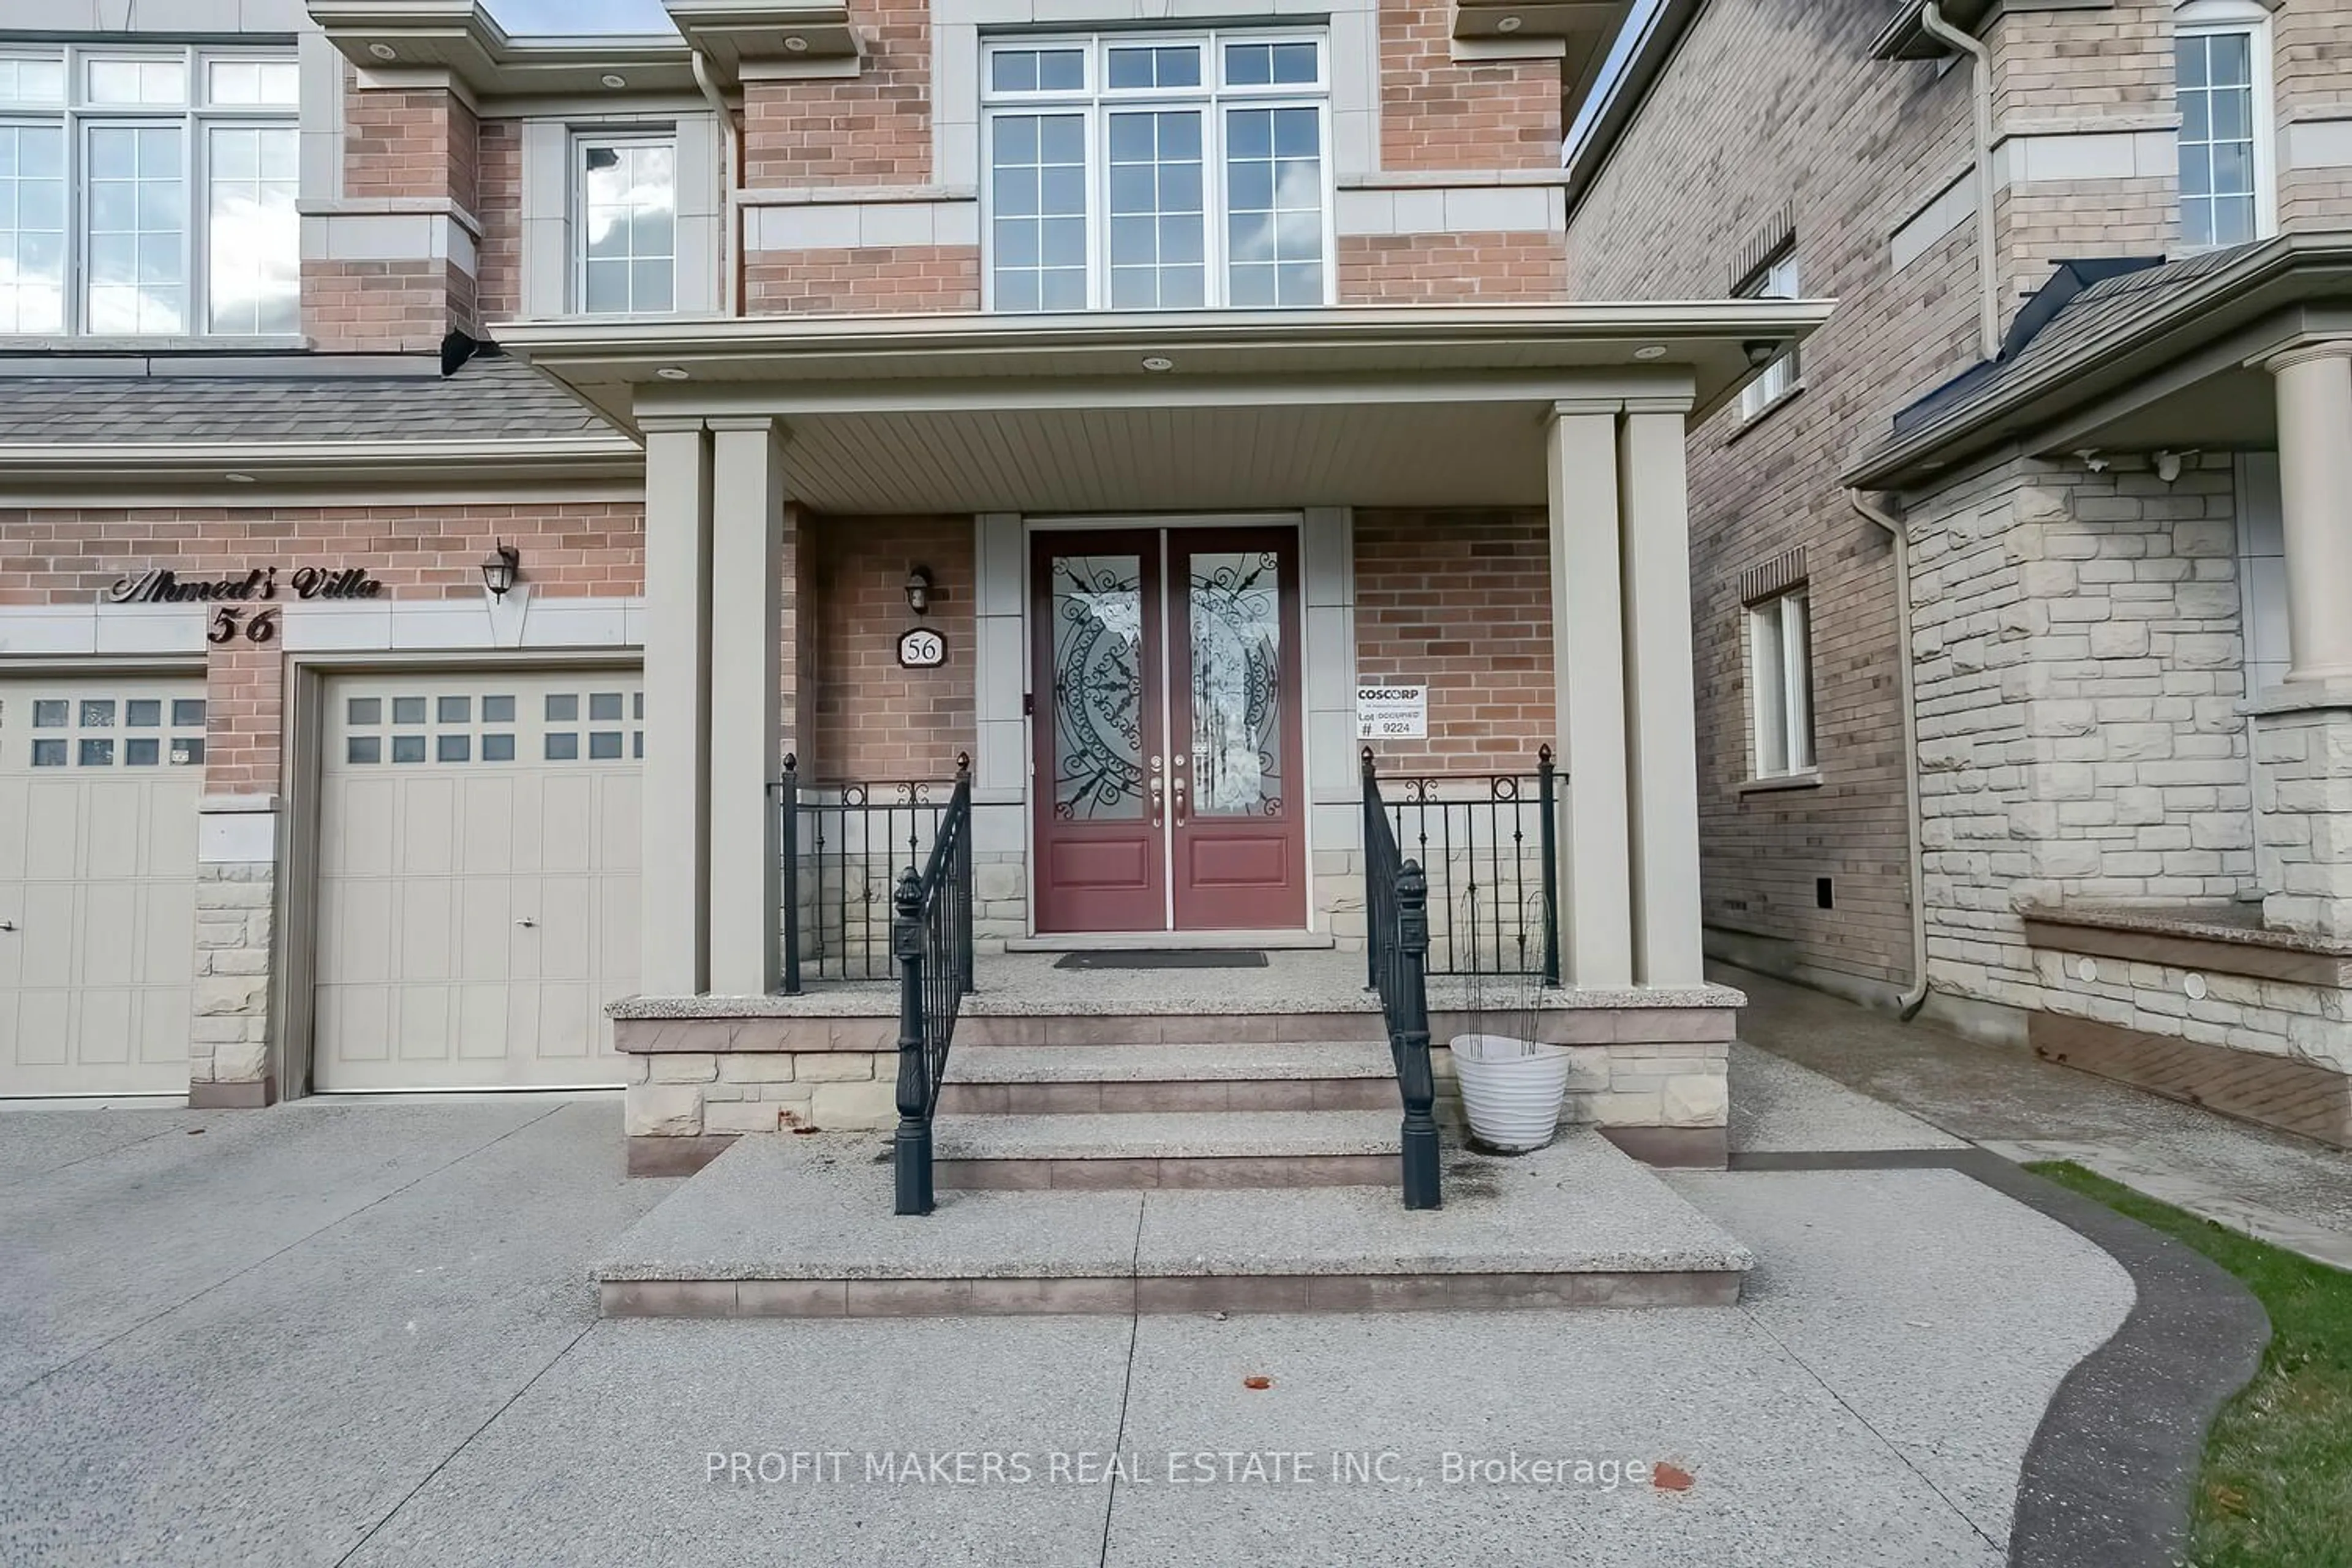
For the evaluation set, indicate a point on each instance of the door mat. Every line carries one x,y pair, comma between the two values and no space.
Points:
1180,958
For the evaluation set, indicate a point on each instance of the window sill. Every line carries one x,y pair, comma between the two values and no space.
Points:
1740,431
1807,780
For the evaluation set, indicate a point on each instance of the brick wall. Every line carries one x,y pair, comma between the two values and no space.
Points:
1426,268
1459,601
1436,114
386,306
499,177
871,719
572,548
906,278
71,556
1854,147
874,129
399,143
2312,72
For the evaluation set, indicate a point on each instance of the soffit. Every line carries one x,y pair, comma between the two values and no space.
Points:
390,39
943,360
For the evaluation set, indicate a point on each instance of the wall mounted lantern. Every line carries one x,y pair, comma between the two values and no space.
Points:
918,590
500,569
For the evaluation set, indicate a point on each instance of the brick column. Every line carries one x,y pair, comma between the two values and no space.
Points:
232,1037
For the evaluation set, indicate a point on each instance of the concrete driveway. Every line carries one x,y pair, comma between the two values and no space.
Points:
362,1333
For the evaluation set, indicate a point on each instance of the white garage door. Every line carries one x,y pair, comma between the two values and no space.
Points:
478,880
99,783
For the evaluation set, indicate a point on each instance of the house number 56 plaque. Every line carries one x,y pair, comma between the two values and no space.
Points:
922,648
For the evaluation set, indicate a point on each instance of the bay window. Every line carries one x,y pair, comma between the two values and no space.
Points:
1141,173
148,191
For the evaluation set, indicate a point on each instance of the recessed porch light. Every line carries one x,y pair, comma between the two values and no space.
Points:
795,44
1507,24
238,479
1158,362
1651,350
384,51
671,372
613,79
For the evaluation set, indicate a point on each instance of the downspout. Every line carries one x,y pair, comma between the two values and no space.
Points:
1931,21
730,218
1911,1001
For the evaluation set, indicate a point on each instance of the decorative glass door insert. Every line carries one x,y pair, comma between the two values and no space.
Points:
1166,724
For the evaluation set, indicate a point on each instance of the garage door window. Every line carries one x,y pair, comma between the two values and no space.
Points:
95,742
468,728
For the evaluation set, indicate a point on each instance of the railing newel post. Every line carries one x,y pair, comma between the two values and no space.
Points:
1547,775
1415,1079
961,810
911,1146
788,846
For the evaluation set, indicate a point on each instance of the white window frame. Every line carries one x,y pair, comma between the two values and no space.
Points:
1095,100
576,208
1782,379
2205,19
1780,634
195,115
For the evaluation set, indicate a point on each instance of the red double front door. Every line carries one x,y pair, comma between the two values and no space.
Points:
1169,787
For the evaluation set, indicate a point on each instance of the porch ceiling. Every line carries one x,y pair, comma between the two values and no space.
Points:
1399,406
1226,457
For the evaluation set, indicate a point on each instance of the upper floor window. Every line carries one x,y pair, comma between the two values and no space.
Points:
1780,666
625,222
1776,281
1141,172
2222,82
147,191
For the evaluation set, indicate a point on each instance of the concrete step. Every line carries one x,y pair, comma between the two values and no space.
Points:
1187,1149
1049,1080
780,1225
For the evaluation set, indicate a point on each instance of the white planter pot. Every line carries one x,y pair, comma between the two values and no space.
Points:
1512,1089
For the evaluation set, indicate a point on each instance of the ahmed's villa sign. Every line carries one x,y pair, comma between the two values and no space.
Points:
161,586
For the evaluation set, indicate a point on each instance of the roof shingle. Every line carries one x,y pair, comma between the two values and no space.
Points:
489,398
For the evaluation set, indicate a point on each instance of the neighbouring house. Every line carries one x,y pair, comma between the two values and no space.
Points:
2030,569
494,529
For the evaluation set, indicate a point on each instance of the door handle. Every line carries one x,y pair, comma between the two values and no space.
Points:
1155,800
1179,802
527,922
7,925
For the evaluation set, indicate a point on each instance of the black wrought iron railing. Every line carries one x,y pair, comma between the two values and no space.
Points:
1490,846
843,847
1396,904
930,938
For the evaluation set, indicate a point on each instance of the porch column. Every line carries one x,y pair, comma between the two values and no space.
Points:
1588,691
2314,445
1660,695
673,951
749,534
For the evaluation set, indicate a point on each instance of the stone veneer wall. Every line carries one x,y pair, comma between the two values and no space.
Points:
2283,1018
1658,1068
2303,797
230,1040
2078,661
